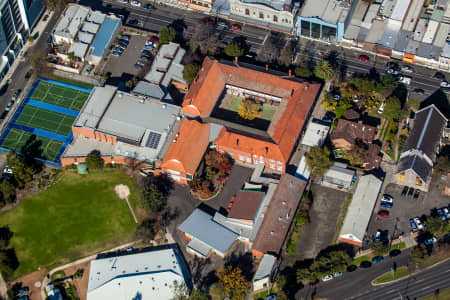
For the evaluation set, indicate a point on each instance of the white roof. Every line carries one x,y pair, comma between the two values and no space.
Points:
430,32
413,15
79,49
265,267
303,171
95,106
399,10
70,21
360,209
90,27
85,37
330,11
96,17
341,173
147,275
441,36
315,134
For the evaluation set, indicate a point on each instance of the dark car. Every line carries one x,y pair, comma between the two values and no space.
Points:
377,259
416,194
383,214
386,205
418,91
351,268
146,52
45,18
395,252
148,6
410,192
133,22
124,37
49,40
392,65
439,76
365,264
404,191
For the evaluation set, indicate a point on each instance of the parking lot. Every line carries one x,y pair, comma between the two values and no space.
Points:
406,207
121,68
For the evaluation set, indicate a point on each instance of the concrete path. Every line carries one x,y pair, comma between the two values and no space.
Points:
131,210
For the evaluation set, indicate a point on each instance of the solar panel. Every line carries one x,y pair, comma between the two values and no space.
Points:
153,140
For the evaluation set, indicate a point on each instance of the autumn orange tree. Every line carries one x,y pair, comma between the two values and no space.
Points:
248,109
234,282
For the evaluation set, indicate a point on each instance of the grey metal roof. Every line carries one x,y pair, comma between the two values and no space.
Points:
70,21
149,90
96,17
95,106
376,31
199,247
81,146
79,49
390,33
441,36
85,37
412,46
428,51
265,267
330,11
90,27
446,50
214,131
201,226
402,41
412,15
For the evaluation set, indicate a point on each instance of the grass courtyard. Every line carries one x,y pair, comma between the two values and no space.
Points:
266,110
76,216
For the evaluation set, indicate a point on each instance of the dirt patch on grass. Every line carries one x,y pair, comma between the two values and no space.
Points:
80,283
122,191
31,281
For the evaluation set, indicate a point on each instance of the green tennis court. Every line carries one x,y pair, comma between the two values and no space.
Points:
59,95
45,119
17,139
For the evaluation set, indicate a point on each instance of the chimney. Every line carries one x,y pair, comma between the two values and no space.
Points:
267,150
237,141
290,73
267,67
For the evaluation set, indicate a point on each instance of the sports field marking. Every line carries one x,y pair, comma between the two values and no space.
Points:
17,139
59,95
40,118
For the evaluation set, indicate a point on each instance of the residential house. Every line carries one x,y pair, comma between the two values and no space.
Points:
265,273
348,133
145,275
420,150
373,158
360,210
316,133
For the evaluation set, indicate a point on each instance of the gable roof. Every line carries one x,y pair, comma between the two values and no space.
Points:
426,133
185,154
246,205
351,131
417,163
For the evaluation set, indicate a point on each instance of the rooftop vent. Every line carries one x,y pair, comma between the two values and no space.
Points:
120,94
284,202
272,232
164,106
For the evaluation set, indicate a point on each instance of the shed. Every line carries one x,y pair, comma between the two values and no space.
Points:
264,273
339,175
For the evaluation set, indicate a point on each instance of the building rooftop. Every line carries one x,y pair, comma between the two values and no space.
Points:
399,10
390,33
387,6
149,275
330,11
90,27
79,49
149,90
70,21
428,51
440,39
104,36
81,146
316,133
96,17
246,205
280,5
340,172
265,267
376,31
413,15
446,50
201,226
416,162
360,210
279,215
430,32
85,37
350,131
373,158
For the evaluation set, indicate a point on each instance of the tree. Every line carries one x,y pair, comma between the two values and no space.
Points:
190,71
130,84
285,57
417,255
197,294
30,38
234,49
203,40
364,86
388,82
71,56
153,197
329,103
217,290
318,160
268,52
248,109
358,153
39,62
323,70
180,291
94,160
147,230
303,72
435,225
23,170
379,248
442,165
304,274
392,108
56,4
167,35
8,191
233,281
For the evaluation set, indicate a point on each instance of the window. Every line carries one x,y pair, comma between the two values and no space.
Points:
275,18
241,157
280,168
261,15
272,166
279,162
189,177
247,12
174,172
249,160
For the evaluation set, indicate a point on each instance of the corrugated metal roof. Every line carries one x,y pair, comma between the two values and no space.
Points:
265,267
104,35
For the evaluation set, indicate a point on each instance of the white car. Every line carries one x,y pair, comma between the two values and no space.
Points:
407,69
445,84
381,108
387,198
337,274
122,1
405,79
136,3
327,278
418,223
7,169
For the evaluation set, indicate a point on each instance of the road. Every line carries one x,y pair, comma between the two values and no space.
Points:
357,285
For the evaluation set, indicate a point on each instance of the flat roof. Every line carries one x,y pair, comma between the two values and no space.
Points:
446,50
387,6
440,39
149,90
315,134
90,27
330,11
150,274
246,205
376,31
95,106
202,227
399,10
81,146
430,32
85,37
413,15
96,17
71,20
79,49
104,36
371,14
390,33
360,209
340,173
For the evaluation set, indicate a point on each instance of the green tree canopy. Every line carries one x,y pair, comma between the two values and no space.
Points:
197,294
8,191
392,108
234,282
22,169
71,56
318,160
379,248
234,49
94,161
323,70
153,198
418,254
190,71
329,103
248,109
167,35
303,72
388,82
435,225
364,85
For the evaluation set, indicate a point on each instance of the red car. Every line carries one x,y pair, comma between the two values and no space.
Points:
207,21
363,58
235,27
383,214
154,40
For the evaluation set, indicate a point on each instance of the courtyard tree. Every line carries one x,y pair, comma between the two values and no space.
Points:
248,109
318,160
23,170
234,49
39,62
94,160
303,72
363,85
388,82
8,191
358,153
167,35
329,103
190,71
71,56
155,191
323,70
234,282
442,165
392,108
379,248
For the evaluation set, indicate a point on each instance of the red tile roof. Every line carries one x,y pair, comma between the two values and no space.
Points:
246,205
185,154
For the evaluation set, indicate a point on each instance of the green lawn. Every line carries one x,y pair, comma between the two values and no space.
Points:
266,113
60,95
398,246
442,295
359,260
386,277
77,216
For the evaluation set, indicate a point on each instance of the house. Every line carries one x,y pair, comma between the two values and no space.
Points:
123,128
360,210
268,141
144,275
278,218
338,176
265,273
373,158
421,147
316,133
348,133
104,38
205,235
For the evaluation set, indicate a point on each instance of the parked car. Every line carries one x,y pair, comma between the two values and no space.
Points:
118,49
410,192
136,3
392,65
125,37
445,84
9,105
22,291
442,214
404,191
418,223
383,214
393,72
337,97
377,259
24,298
235,27
395,252
49,40
207,20
365,264
377,236
387,198
154,40
407,69
116,53
418,91
381,108
137,66
148,47
148,6
271,297
327,277
386,205
405,79
351,268
430,241
439,76
446,213
147,52
413,225
89,69
416,194
133,22
363,58
337,274
123,1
